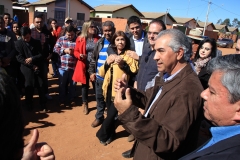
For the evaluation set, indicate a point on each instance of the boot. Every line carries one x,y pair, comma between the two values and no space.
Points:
85,108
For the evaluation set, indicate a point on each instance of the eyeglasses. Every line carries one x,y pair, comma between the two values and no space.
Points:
154,33
92,27
237,49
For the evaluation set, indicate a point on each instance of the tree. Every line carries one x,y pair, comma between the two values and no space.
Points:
236,23
226,22
219,21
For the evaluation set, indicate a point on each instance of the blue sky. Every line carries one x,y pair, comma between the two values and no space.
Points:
219,9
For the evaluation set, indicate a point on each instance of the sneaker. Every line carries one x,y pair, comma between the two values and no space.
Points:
48,96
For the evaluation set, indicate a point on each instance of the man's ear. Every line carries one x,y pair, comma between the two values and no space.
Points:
237,113
180,54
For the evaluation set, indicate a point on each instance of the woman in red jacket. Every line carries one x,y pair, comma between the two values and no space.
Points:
55,30
83,50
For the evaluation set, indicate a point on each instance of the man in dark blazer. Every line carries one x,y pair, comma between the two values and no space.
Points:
30,56
172,104
222,109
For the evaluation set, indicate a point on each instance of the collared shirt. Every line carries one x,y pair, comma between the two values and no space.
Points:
221,133
38,35
166,78
139,44
102,56
67,61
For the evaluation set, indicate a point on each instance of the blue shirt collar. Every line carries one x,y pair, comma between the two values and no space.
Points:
224,132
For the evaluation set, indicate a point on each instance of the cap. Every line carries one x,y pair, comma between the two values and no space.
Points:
68,20
195,34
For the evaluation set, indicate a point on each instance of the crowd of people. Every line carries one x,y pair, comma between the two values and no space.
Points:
156,83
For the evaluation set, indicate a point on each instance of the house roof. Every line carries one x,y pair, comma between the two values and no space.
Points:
183,20
41,2
155,15
231,29
45,2
219,26
114,8
201,24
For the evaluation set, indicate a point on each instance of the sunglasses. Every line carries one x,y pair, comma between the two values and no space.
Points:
237,49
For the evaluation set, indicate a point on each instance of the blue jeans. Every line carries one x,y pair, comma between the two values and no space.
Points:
101,104
65,78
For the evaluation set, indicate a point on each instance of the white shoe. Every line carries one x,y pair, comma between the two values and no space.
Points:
48,96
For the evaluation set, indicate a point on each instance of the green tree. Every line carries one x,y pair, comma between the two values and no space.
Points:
219,21
226,22
236,23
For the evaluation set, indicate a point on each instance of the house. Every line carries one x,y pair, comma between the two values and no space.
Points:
115,11
78,10
233,30
187,22
165,17
209,26
221,28
6,7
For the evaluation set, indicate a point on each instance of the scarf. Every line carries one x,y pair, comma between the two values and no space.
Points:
200,63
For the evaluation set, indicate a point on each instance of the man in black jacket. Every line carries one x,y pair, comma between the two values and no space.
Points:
99,57
31,59
222,109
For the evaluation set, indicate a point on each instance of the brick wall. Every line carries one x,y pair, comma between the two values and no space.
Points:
120,24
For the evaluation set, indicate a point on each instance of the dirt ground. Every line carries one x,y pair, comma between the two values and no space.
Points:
69,131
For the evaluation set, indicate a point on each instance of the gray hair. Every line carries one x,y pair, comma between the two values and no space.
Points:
178,40
230,66
108,23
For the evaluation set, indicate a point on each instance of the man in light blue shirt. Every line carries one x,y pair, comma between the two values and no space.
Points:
222,109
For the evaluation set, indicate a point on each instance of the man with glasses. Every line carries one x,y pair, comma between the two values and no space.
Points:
238,47
41,33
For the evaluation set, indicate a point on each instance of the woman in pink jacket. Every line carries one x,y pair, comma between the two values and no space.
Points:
85,44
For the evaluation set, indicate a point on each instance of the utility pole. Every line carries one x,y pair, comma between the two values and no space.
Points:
166,16
68,8
209,3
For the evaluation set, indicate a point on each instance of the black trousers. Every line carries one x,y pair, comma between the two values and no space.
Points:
29,91
108,127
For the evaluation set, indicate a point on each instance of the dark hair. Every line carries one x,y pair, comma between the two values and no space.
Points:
18,26
25,30
11,136
6,14
1,17
160,22
133,19
53,20
39,16
70,29
117,34
214,47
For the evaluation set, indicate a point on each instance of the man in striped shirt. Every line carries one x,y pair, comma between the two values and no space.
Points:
65,47
99,57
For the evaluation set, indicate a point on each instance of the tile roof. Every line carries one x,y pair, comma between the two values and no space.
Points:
114,8
201,24
219,26
153,14
182,19
231,29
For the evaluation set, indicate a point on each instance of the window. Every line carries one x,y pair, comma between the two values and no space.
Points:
1,9
80,16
